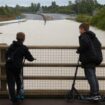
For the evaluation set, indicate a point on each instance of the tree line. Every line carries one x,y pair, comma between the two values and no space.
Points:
9,11
86,11
77,7
91,12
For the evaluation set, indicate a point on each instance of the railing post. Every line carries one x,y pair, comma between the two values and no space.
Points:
3,86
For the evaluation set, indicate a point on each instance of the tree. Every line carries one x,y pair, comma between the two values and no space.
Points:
33,7
54,4
70,3
99,16
85,6
38,6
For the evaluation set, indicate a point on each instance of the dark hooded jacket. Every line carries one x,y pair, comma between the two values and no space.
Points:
86,50
21,53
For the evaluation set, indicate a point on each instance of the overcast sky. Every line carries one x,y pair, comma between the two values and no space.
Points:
43,2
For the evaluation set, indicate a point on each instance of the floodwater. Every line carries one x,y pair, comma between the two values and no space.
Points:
58,32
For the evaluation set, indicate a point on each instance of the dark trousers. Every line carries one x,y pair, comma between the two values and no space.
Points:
90,73
14,76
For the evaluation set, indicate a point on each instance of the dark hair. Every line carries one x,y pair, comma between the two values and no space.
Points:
85,26
20,36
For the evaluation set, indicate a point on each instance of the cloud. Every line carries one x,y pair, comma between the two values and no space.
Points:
28,2
43,2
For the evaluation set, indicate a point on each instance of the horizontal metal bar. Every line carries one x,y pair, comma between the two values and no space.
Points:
55,65
58,77
50,93
44,47
52,47
51,65
56,47
4,46
54,78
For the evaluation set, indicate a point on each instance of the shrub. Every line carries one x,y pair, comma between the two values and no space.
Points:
99,19
83,18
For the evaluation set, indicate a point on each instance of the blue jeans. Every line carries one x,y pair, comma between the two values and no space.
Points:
90,74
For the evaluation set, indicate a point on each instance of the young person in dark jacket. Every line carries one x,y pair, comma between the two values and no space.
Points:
15,56
89,57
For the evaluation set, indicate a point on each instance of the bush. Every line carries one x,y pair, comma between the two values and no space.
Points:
84,18
99,19
9,11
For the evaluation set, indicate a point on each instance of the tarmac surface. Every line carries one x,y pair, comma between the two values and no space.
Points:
49,102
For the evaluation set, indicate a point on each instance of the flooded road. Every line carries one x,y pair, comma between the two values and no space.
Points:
58,32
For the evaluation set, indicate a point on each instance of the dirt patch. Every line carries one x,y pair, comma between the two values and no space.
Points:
6,18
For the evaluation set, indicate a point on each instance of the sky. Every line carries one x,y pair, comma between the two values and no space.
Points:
43,2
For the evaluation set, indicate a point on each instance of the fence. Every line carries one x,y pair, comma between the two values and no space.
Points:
52,73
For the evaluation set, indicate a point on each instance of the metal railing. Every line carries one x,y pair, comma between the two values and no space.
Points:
52,73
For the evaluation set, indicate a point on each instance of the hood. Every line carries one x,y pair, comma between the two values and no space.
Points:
17,44
91,34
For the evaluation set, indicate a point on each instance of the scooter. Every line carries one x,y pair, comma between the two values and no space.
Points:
73,94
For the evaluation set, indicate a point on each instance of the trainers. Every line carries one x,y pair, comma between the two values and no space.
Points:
20,97
94,98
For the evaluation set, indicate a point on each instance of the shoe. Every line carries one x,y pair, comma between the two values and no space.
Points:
94,98
103,98
20,97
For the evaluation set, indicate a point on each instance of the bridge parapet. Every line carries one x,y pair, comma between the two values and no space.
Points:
52,73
